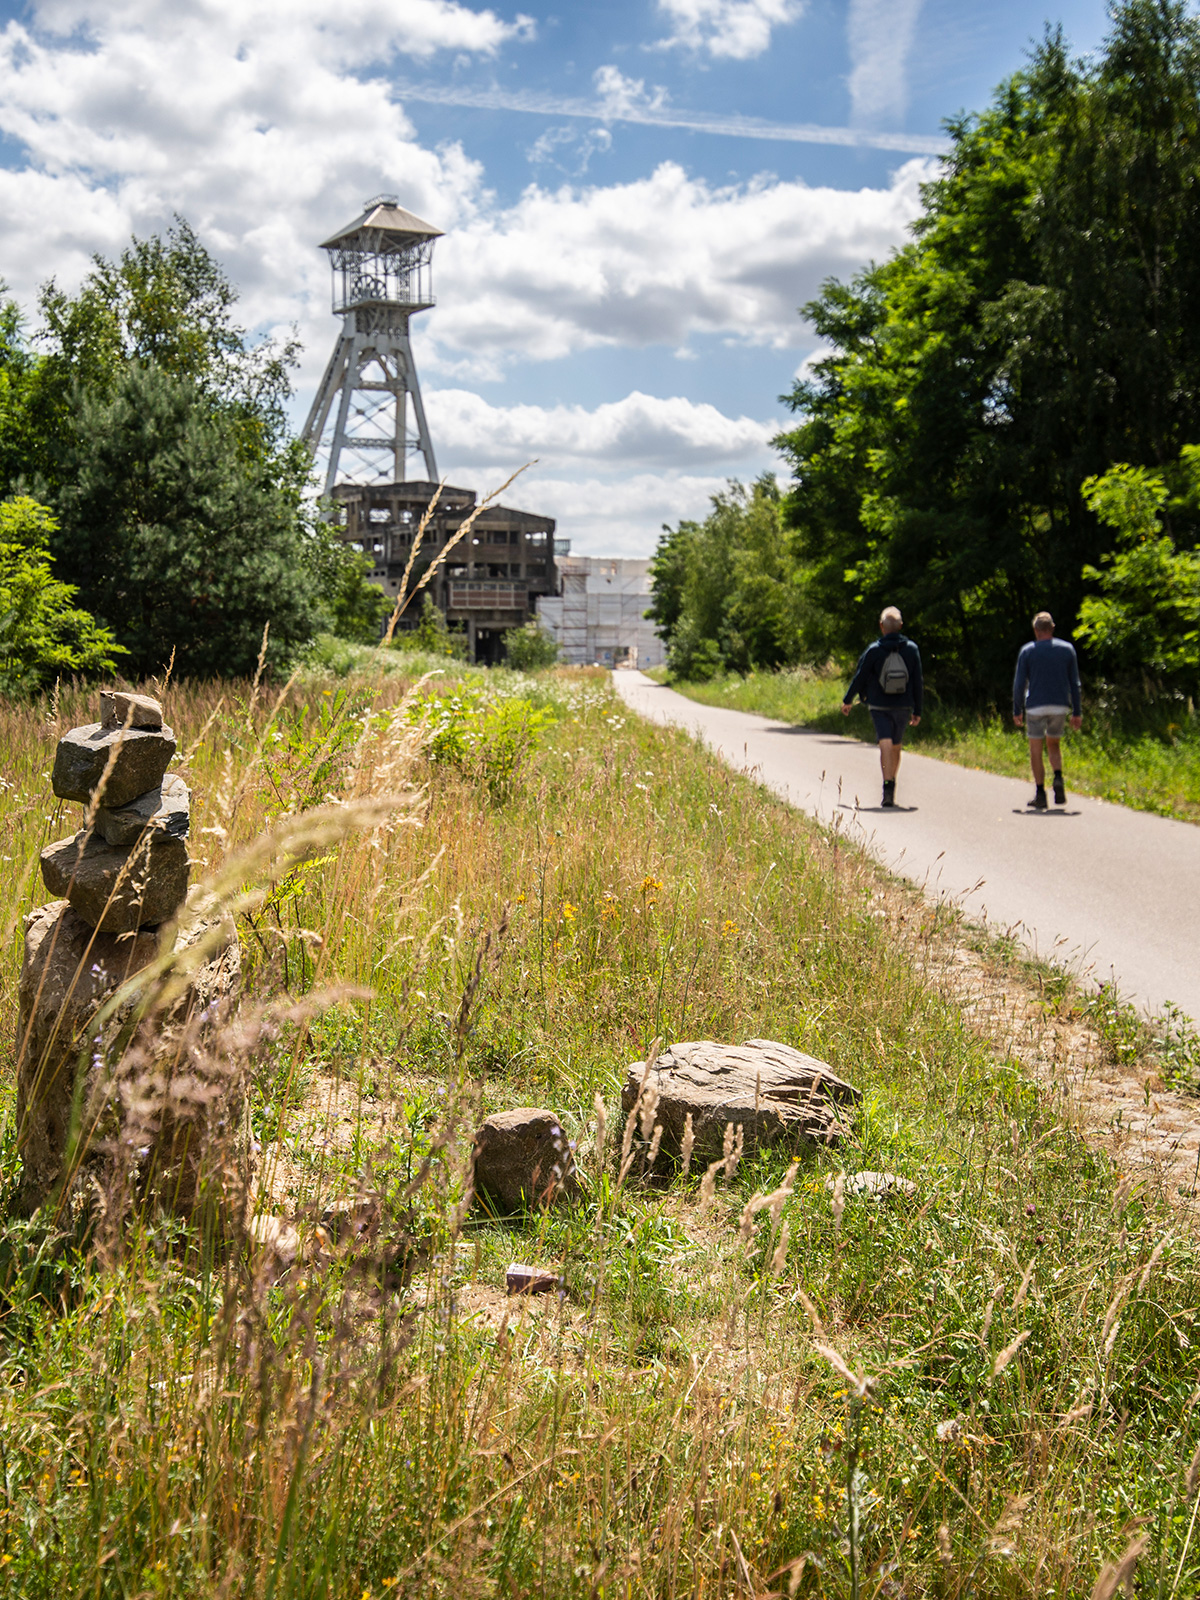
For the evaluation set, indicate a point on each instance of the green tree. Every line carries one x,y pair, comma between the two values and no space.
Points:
1043,322
178,538
352,606
42,633
1145,619
724,589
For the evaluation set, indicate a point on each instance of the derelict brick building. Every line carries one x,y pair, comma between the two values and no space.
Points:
491,582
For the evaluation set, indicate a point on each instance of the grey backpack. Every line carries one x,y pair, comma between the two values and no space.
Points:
893,674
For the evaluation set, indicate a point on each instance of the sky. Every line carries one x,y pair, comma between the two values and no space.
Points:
637,196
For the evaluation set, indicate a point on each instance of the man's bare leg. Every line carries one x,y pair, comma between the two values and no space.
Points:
889,759
1054,751
1036,762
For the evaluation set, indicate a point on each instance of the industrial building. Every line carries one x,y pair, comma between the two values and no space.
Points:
599,616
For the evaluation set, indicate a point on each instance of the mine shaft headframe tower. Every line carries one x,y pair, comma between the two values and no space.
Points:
382,274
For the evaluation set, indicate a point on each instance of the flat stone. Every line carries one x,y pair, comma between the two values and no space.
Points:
142,757
880,1186
520,1279
775,1094
119,708
115,889
523,1159
69,970
167,809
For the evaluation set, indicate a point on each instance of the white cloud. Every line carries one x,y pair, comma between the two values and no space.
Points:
880,35
655,261
735,29
601,516
639,431
582,145
245,118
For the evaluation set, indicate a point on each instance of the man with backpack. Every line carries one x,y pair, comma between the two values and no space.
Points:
1045,689
888,677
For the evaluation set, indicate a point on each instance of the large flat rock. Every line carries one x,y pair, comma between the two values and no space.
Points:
776,1094
142,756
166,809
115,889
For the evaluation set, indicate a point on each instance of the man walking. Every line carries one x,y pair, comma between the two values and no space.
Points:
888,677
1045,690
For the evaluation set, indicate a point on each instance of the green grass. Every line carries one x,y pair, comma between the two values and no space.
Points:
998,1398
1147,758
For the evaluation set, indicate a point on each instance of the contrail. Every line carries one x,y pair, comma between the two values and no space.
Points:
735,127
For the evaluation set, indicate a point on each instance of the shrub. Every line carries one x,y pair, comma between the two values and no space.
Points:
530,648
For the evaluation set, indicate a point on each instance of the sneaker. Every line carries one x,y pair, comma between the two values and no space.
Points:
1039,802
889,792
1060,792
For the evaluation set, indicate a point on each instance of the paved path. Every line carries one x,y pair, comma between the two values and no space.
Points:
1105,891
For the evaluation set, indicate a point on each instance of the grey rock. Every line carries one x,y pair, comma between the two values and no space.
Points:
143,755
166,809
119,890
880,1186
520,1279
119,708
523,1159
775,1094
68,972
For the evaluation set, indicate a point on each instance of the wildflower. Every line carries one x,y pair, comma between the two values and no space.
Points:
568,911
650,885
519,901
728,929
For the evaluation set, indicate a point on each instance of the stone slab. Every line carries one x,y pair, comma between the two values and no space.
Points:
776,1094
120,708
118,890
142,758
166,809
523,1160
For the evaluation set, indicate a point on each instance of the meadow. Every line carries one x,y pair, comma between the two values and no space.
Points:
987,1389
1140,753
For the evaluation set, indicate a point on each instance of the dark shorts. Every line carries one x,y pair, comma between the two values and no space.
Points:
890,724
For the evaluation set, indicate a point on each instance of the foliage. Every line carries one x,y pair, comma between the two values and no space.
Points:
1145,620
432,634
724,594
529,649
486,735
1043,323
353,606
157,434
42,634
178,541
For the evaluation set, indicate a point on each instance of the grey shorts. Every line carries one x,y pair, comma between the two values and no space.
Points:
1045,724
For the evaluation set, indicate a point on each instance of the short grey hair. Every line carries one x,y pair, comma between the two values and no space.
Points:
890,619
1043,623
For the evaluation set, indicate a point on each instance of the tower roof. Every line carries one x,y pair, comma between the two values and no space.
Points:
400,228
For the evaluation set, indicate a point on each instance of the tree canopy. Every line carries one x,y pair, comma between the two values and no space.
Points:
156,430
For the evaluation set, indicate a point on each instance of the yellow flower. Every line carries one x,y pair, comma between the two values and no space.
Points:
520,900
649,885
728,929
568,911
609,906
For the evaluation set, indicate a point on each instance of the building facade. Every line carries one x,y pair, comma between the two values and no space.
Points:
488,583
599,615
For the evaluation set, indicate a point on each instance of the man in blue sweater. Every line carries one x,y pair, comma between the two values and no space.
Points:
888,677
1045,690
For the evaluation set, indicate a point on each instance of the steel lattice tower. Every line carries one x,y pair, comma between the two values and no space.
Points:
382,274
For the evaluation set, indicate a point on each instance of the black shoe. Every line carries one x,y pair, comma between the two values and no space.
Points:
889,792
1039,802
1060,792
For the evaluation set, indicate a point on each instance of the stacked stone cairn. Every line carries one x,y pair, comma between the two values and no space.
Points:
118,879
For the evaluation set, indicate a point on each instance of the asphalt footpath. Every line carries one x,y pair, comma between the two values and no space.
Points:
1112,894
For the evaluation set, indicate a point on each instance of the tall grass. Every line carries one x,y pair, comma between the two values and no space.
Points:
1143,754
987,1389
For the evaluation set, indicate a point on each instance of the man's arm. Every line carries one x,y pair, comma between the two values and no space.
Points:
1076,691
1020,680
918,685
857,682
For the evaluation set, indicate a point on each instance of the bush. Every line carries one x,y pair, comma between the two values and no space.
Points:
41,632
530,648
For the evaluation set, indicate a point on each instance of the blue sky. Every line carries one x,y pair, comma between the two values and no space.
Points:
637,195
